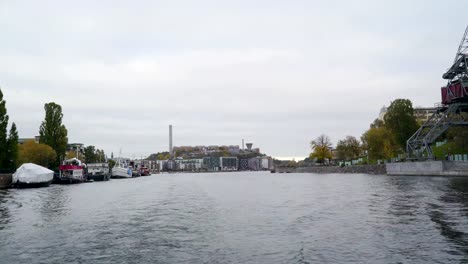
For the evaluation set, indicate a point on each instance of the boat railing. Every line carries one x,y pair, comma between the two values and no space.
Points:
70,167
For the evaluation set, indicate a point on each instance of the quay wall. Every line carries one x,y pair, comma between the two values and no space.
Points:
5,180
428,168
365,169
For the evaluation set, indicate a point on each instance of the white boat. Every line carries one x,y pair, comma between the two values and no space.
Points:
32,175
121,170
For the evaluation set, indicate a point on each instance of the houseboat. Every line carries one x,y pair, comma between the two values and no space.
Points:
71,171
98,171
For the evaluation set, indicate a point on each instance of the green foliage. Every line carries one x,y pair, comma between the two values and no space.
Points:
377,123
100,155
93,155
111,163
74,154
457,143
400,121
52,132
321,148
379,143
12,154
90,154
291,163
459,136
3,133
32,152
159,156
348,149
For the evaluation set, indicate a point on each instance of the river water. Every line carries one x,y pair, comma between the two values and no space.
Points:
250,217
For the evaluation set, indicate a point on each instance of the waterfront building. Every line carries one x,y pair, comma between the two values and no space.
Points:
243,164
35,139
161,165
423,114
150,164
260,163
211,163
76,147
189,164
254,163
228,163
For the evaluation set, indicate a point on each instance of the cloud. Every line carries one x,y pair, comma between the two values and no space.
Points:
275,73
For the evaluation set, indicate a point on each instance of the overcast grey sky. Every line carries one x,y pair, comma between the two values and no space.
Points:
277,73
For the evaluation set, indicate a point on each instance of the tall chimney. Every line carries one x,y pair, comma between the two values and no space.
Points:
170,140
243,144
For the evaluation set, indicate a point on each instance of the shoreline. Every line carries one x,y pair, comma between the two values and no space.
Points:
365,169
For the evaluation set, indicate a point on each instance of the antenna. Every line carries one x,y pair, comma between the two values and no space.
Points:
170,140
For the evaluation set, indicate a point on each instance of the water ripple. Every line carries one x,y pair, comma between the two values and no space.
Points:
239,218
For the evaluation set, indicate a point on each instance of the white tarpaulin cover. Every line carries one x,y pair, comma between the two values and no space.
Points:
32,173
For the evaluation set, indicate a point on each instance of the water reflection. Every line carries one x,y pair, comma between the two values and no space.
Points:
402,198
239,217
453,204
5,215
54,203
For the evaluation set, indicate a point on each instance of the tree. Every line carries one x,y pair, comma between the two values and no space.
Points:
100,155
292,163
32,152
159,156
456,142
377,123
321,148
111,163
70,154
400,121
93,155
12,154
3,132
348,149
52,132
90,154
379,143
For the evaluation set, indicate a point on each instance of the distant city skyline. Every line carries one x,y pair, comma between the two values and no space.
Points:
277,74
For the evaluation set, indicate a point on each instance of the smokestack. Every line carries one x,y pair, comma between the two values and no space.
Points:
170,140
243,144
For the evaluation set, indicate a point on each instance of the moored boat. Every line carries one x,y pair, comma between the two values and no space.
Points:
71,171
98,171
145,171
30,175
121,170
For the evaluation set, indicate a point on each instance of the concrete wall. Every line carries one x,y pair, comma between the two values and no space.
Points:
364,169
5,180
428,168
422,168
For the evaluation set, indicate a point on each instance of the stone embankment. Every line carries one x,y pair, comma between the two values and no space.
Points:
429,168
365,169
5,180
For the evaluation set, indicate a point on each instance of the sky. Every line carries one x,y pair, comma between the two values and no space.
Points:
275,73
